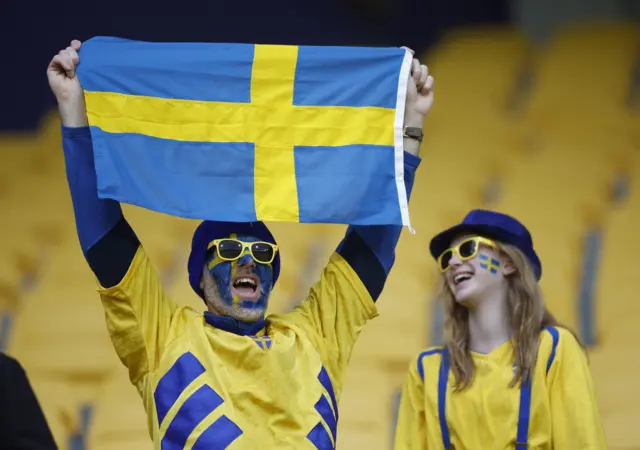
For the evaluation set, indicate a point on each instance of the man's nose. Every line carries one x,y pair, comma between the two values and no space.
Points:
247,260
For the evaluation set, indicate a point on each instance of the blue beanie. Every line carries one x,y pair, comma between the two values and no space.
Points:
208,231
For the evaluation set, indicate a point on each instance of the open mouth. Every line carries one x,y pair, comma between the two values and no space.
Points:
246,287
461,277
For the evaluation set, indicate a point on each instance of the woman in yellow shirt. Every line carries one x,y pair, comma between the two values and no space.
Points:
508,376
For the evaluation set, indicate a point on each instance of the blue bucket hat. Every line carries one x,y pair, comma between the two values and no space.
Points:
210,230
494,225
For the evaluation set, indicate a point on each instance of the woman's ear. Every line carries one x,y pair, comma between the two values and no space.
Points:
508,268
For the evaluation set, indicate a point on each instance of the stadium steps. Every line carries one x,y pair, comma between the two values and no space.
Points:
467,134
60,328
120,420
61,341
614,367
558,193
489,59
617,285
365,407
67,404
586,67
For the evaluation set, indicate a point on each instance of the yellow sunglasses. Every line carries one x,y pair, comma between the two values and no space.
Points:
466,250
232,249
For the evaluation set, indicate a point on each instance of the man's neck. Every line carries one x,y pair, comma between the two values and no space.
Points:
233,325
489,325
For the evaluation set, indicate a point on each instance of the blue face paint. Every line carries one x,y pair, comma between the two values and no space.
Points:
223,273
490,264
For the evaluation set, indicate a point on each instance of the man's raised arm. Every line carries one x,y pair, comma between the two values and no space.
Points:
138,313
108,242
370,250
340,304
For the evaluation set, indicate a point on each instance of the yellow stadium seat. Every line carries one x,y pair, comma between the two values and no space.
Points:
586,68
617,285
54,338
18,153
120,420
476,70
558,192
614,367
364,407
62,400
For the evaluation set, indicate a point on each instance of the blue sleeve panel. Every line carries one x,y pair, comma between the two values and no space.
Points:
370,249
107,240
94,216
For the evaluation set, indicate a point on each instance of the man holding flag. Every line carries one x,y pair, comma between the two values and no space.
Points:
231,377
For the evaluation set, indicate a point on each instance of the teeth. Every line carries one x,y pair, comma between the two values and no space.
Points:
250,281
461,277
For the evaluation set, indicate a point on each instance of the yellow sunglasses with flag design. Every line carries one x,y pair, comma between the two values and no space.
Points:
229,249
466,250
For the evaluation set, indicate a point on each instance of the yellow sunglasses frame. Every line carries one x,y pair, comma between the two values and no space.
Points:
245,246
456,250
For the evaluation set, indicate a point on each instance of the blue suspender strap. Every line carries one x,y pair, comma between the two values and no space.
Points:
525,396
556,337
443,377
522,437
523,415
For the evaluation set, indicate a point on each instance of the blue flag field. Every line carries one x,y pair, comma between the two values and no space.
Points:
243,132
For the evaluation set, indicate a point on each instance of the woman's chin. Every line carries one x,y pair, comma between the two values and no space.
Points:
464,296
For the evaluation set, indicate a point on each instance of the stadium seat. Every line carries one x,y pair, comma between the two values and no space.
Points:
554,167
614,367
586,68
364,407
476,70
120,420
55,338
67,404
617,282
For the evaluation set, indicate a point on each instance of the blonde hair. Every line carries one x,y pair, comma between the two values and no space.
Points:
527,317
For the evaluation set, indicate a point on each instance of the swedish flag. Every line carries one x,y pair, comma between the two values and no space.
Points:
242,132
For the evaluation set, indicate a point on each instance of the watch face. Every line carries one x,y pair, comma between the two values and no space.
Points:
415,133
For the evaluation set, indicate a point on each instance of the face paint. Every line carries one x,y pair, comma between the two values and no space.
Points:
490,264
265,273
224,272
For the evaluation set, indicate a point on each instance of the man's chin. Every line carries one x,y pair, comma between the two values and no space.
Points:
248,314
244,313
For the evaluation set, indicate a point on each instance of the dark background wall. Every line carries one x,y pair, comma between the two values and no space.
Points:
32,31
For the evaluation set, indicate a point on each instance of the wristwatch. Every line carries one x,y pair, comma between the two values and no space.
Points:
413,133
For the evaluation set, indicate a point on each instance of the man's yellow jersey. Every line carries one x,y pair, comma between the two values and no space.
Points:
206,388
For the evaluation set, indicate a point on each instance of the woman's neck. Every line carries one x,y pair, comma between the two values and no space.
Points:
489,325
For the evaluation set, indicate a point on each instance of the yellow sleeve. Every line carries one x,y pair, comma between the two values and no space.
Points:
138,315
333,315
411,432
574,410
